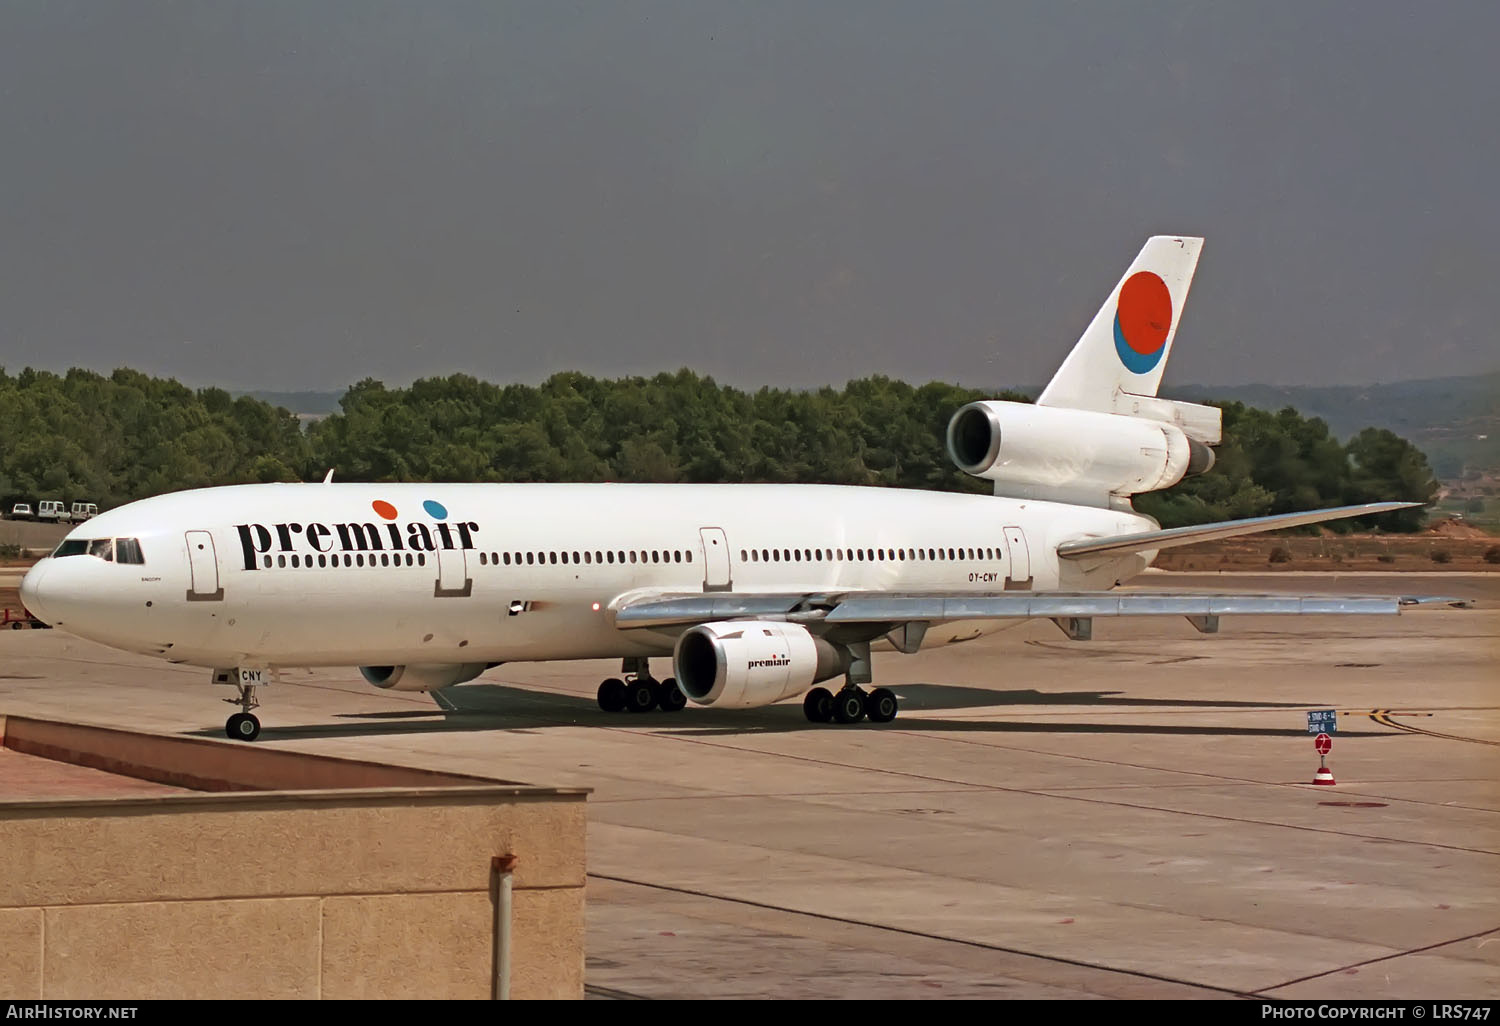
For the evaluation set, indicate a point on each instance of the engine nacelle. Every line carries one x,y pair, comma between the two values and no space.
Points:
1064,455
421,676
741,664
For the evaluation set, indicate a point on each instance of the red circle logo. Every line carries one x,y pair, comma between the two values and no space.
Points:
384,509
1145,312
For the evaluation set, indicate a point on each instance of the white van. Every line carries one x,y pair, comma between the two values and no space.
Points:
84,511
52,509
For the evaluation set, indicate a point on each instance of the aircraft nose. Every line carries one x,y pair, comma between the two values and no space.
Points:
32,592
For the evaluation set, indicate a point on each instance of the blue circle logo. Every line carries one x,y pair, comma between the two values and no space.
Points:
435,510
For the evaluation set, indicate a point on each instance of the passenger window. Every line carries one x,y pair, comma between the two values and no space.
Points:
268,562
483,559
690,556
677,555
632,555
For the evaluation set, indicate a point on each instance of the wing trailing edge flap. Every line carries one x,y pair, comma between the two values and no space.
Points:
1202,608
1171,537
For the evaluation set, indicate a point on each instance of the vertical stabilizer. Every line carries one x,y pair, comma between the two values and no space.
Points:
1126,345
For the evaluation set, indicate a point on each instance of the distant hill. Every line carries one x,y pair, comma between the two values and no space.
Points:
1447,418
1455,421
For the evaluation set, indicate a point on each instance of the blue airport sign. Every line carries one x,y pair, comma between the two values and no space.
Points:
1322,721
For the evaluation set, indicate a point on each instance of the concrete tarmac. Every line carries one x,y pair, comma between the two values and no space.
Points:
1131,816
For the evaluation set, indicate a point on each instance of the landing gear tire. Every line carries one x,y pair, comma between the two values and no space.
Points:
881,706
669,697
640,696
818,706
242,727
612,695
849,705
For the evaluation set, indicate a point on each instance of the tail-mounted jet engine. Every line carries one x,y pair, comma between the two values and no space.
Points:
1066,455
741,664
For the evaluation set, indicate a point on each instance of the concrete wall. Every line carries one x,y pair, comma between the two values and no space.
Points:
376,892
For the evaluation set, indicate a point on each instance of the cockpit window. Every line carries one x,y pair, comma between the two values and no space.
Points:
123,550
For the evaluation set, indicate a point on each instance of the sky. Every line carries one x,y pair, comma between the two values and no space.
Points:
299,194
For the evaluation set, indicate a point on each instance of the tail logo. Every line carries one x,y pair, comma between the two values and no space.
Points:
1143,319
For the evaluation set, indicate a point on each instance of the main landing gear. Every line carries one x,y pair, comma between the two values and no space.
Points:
639,691
243,726
850,705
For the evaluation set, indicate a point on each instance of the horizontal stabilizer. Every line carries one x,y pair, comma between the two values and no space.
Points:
1174,536
1205,423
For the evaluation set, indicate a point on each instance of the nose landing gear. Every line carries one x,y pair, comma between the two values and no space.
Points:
243,725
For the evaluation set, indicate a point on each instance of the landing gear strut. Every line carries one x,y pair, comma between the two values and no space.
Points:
852,703
243,726
639,692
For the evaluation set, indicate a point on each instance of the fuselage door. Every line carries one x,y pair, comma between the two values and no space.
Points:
203,565
453,579
1019,577
715,559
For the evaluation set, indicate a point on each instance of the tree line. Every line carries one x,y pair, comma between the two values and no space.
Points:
83,436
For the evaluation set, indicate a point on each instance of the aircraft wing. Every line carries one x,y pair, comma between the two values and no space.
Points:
1145,541
880,608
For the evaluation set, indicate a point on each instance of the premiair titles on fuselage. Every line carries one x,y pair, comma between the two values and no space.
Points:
259,541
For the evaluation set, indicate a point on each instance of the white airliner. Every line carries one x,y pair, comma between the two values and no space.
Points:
756,592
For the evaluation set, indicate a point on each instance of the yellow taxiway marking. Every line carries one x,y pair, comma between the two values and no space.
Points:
1384,718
